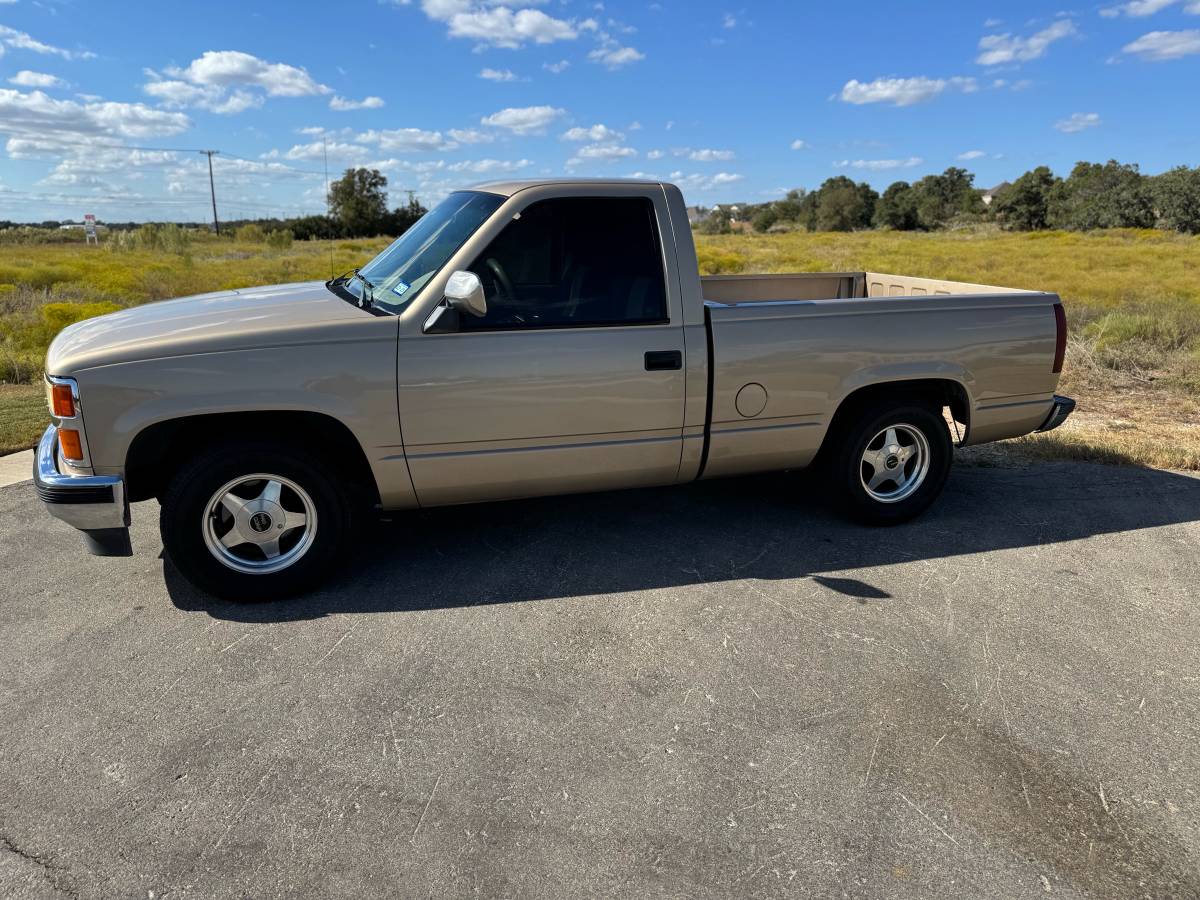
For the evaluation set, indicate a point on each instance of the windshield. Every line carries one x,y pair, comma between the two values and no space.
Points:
399,272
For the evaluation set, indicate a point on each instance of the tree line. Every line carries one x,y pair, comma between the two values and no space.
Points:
1094,195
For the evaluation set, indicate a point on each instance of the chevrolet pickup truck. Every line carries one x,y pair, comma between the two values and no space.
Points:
523,338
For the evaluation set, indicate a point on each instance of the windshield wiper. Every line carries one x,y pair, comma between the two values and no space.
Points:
367,299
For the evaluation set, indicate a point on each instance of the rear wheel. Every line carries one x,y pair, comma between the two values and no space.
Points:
254,523
892,462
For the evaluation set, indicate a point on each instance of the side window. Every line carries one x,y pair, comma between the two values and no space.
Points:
572,263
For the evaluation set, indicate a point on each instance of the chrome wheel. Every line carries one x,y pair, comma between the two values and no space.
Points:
895,463
259,524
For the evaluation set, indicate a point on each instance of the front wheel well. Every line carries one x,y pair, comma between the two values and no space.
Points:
939,393
159,450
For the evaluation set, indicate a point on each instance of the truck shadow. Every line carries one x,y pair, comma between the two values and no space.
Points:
748,528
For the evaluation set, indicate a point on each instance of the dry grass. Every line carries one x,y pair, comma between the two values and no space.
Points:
1133,299
23,416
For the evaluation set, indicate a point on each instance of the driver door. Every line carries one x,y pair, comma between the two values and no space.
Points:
573,381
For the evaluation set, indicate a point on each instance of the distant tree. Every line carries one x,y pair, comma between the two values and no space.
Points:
942,197
1024,204
1176,195
402,218
842,205
1108,195
897,208
790,207
358,201
716,222
766,216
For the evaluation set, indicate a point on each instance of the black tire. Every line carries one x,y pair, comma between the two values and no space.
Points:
183,516
849,476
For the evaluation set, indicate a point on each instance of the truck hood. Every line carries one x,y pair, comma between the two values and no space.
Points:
223,320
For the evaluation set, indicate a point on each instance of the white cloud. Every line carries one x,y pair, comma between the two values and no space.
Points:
606,152
490,166
971,154
176,94
19,40
999,49
710,155
525,119
470,136
407,140
903,91
317,149
497,75
229,81
594,133
489,22
730,21
1138,9
879,165
798,144
698,182
1078,122
342,104
655,154
557,68
614,56
26,78
36,122
233,68
1162,46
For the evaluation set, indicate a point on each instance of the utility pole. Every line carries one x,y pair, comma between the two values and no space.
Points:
212,189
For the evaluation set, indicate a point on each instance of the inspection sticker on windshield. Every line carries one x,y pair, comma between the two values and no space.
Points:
400,288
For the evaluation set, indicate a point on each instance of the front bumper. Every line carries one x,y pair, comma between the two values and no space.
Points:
95,504
1062,408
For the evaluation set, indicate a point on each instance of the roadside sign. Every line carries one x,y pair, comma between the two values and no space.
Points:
89,229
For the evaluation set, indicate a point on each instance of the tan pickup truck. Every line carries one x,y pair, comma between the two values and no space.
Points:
522,339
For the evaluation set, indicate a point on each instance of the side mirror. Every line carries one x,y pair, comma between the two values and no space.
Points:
464,293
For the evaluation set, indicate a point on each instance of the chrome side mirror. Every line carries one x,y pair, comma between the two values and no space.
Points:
464,293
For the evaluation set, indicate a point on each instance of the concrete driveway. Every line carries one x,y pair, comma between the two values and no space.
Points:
719,690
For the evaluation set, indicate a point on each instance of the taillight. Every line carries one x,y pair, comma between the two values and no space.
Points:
1060,339
69,443
62,401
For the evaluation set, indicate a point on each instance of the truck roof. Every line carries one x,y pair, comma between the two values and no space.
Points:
509,187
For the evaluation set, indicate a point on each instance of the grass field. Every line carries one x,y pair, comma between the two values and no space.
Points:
1133,299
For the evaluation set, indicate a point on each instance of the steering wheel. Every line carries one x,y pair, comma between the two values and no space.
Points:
509,297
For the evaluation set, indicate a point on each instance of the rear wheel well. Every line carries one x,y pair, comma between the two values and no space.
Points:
939,393
158,451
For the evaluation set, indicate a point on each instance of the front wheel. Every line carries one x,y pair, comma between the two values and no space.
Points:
892,463
254,523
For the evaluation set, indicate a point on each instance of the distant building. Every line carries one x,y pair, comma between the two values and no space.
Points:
989,195
697,214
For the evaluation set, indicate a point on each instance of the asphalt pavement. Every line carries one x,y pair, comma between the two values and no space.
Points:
721,690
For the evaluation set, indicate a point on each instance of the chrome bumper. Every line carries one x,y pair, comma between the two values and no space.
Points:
1062,408
95,504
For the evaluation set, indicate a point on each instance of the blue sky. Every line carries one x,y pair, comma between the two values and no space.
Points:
732,101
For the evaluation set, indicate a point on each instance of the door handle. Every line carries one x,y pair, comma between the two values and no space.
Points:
664,360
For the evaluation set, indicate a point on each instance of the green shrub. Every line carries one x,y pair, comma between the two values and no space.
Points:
250,234
280,239
719,262
58,316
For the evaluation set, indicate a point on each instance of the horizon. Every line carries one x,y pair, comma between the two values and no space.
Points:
98,119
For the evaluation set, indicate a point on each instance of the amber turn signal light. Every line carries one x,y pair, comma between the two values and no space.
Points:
62,401
68,441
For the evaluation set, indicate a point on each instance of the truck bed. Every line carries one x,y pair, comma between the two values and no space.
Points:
736,289
786,350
